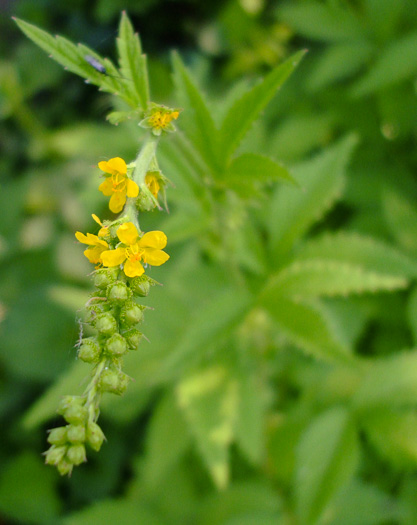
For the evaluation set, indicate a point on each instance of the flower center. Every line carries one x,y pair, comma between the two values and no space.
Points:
118,183
134,253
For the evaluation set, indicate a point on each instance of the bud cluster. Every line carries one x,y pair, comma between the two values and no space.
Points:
68,442
113,314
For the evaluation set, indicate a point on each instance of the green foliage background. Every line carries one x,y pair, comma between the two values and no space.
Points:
280,385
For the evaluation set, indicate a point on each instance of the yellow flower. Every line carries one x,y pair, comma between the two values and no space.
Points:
153,184
118,185
159,118
104,230
135,249
98,246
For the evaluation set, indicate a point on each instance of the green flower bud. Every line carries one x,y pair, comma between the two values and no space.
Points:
94,310
109,380
116,345
55,454
68,401
124,381
64,467
75,414
105,324
145,202
95,436
104,277
131,313
114,381
76,454
133,338
89,350
76,433
140,286
58,436
118,292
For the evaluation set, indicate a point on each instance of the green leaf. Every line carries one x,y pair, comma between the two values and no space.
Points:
133,62
390,382
209,400
108,512
370,254
293,211
197,120
22,478
250,425
332,22
304,279
339,62
246,109
167,440
361,504
207,327
401,219
72,57
394,434
248,498
306,325
396,63
45,406
412,314
256,168
327,458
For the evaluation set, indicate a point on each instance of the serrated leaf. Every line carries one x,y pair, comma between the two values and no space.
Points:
304,279
247,109
293,211
332,22
209,400
167,440
305,325
394,434
199,124
370,254
396,63
256,168
390,382
327,458
401,219
73,58
133,62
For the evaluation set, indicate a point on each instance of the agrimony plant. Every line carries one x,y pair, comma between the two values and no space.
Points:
121,250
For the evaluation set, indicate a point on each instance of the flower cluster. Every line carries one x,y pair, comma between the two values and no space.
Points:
121,253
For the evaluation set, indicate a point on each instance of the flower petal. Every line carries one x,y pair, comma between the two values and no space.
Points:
98,221
133,268
127,233
113,166
113,257
155,257
82,238
132,188
154,239
93,254
117,202
106,187
117,165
